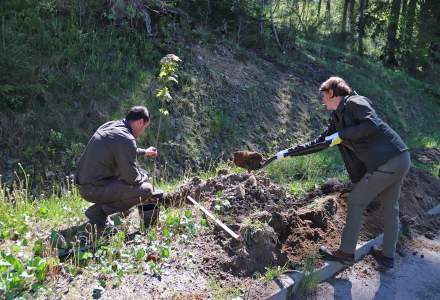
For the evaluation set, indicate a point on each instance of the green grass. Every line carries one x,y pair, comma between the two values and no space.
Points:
274,272
310,279
28,263
300,174
26,260
218,291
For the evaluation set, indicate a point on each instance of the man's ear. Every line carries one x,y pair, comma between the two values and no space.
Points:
330,91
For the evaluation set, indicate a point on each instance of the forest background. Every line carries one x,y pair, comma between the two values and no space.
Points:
249,78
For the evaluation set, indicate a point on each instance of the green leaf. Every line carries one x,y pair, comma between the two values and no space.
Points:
38,248
102,282
15,262
140,254
43,211
152,235
121,236
85,255
165,252
117,221
188,213
166,233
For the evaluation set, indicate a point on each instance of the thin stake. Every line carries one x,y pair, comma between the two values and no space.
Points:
220,223
157,142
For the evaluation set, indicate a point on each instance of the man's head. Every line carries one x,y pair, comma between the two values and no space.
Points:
139,119
333,90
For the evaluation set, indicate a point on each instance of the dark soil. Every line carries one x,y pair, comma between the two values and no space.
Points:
248,160
276,228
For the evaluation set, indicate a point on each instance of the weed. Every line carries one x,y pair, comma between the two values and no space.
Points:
311,277
220,292
274,272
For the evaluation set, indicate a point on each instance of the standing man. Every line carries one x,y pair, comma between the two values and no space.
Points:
107,173
376,159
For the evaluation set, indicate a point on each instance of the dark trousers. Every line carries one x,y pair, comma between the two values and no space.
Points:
115,196
384,183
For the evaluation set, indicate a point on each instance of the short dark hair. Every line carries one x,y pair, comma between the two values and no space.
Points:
338,85
138,112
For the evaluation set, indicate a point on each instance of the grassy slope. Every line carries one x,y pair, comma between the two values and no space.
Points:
63,75
228,98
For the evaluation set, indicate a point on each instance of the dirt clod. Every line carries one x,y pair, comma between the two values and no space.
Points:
248,160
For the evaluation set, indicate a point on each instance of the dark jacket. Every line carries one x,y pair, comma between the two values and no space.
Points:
368,142
110,154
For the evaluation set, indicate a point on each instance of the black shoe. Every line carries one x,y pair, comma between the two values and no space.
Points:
384,261
336,255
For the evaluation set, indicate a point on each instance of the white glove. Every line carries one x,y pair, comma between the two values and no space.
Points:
281,154
334,138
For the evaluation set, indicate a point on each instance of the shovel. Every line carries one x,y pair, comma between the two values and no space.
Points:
254,161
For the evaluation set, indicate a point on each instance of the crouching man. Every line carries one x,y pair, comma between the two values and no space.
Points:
107,173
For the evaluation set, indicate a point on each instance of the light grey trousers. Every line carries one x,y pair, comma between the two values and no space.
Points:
115,196
385,183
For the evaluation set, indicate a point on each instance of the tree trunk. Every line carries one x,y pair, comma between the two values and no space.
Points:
407,36
328,14
319,8
351,17
409,23
392,43
263,9
274,30
404,6
435,53
344,16
423,35
361,27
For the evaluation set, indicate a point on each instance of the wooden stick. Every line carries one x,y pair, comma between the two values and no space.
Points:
220,223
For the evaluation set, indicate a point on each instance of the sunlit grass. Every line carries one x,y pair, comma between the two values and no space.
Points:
300,174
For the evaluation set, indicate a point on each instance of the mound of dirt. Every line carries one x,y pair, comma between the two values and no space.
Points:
276,228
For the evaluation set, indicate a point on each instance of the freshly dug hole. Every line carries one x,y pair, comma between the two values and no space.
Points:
257,250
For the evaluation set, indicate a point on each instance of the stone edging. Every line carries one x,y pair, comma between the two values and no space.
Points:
288,282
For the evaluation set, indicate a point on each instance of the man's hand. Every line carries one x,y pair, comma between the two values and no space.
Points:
151,151
334,138
281,154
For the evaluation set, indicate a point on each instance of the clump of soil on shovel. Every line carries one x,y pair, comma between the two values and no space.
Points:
248,160
276,227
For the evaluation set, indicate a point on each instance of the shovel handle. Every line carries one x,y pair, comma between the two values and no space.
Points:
300,151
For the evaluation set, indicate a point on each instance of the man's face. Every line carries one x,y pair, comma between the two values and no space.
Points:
330,102
139,127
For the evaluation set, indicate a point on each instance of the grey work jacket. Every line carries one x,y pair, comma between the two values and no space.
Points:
110,154
368,142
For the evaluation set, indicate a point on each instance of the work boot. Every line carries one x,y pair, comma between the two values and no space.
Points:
148,214
96,215
94,232
384,261
336,255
